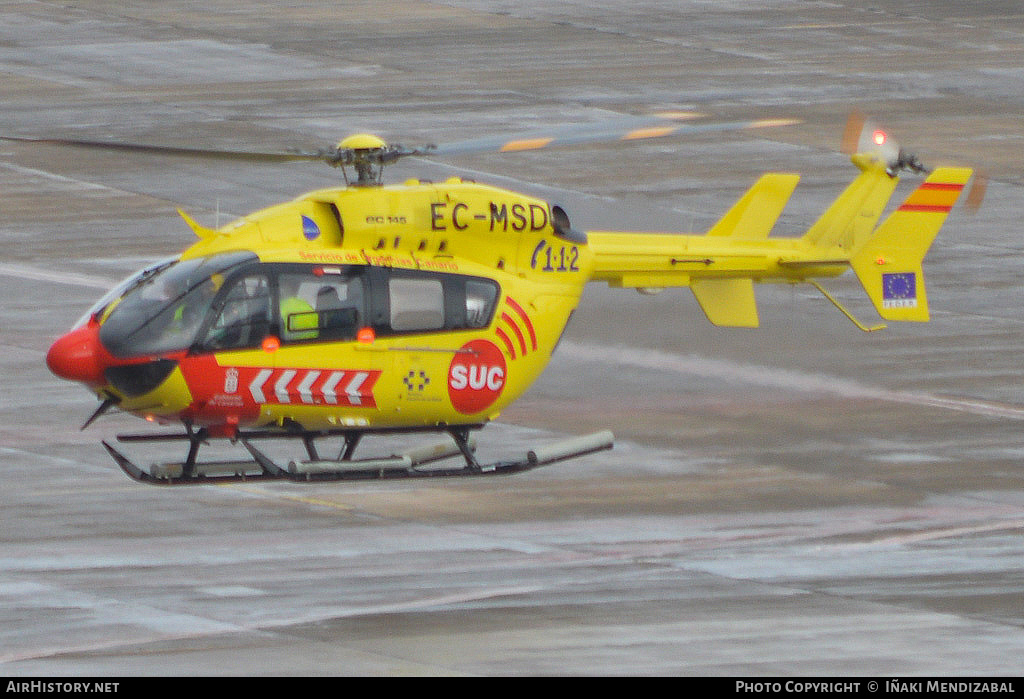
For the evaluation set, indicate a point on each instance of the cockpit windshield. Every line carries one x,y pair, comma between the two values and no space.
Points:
163,310
118,291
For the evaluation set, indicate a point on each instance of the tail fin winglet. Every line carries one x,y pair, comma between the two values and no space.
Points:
754,214
889,263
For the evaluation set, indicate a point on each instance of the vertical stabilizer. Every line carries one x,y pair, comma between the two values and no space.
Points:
889,263
848,222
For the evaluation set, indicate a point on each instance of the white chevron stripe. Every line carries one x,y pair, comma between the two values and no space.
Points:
281,387
328,389
352,389
307,383
256,387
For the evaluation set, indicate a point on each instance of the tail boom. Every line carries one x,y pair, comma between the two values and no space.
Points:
721,271
722,266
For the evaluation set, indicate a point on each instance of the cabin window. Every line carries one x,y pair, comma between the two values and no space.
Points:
320,305
416,304
480,298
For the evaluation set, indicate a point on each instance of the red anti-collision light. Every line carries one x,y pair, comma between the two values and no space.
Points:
366,336
79,356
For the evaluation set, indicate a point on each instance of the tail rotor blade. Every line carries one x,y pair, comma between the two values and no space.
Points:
977,193
851,134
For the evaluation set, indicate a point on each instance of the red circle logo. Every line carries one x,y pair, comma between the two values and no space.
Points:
476,376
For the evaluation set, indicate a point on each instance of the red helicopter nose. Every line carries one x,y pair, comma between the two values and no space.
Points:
79,356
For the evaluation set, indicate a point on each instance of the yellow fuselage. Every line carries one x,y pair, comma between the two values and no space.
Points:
411,378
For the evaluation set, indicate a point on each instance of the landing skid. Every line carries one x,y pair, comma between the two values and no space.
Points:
414,463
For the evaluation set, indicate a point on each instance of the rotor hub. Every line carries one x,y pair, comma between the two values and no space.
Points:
366,153
362,141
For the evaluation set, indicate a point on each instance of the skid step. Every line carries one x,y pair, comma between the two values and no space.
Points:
435,452
394,463
208,469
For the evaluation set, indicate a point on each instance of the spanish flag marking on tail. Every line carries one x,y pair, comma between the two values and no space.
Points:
933,196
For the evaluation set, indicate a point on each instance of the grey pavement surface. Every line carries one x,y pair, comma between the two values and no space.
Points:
801,499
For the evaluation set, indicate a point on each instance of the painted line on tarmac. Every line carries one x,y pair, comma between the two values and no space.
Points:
72,182
141,623
942,533
9,269
781,379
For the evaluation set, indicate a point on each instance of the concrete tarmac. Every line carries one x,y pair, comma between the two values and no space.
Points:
803,499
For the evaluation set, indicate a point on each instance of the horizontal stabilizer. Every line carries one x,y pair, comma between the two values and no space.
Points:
727,302
752,217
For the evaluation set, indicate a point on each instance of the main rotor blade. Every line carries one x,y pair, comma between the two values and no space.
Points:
628,128
251,156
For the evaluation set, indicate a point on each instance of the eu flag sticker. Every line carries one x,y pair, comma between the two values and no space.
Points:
899,290
310,229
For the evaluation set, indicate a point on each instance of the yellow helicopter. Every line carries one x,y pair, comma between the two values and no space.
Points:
430,306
